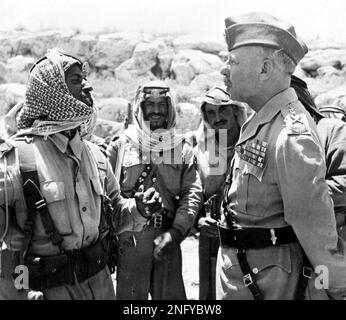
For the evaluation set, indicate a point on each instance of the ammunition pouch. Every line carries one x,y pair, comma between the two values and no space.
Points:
110,246
65,268
161,221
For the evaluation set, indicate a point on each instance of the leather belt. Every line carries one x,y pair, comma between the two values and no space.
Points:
46,272
256,238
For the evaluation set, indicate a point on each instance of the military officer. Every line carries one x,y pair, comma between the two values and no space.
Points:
278,213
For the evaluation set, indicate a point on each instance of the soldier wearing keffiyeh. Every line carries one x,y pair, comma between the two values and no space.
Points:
152,153
65,252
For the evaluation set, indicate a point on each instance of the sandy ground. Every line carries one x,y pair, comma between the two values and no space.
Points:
190,267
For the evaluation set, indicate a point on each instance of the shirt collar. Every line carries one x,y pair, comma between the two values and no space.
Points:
62,142
267,113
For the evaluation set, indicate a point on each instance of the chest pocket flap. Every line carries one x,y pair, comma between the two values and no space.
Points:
95,182
53,191
131,157
248,168
55,196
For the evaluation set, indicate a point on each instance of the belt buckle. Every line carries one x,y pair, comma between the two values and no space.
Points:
158,221
247,279
273,237
307,272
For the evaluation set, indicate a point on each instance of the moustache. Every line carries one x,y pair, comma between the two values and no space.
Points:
87,98
156,114
220,123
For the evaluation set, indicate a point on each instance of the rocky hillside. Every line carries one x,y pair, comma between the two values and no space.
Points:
189,63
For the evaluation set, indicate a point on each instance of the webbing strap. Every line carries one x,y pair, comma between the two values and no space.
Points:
146,174
34,200
304,278
248,276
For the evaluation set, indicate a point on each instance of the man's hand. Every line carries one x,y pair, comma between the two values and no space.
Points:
208,227
35,295
148,202
165,242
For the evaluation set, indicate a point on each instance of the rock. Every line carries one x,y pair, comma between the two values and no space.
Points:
113,109
17,68
6,47
204,82
127,72
107,129
113,49
327,71
321,58
189,63
145,56
188,117
182,72
165,58
300,73
3,72
10,94
82,45
20,63
204,43
36,44
145,60
336,96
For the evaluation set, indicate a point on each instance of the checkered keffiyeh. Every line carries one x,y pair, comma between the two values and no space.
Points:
47,98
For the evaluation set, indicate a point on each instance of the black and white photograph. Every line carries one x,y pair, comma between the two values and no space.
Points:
175,150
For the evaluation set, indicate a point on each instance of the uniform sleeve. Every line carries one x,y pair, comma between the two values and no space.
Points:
190,196
308,207
336,165
9,191
126,215
112,153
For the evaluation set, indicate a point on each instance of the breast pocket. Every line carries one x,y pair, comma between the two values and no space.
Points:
171,175
252,192
54,194
96,184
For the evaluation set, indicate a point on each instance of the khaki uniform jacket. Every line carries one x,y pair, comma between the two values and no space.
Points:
72,187
177,178
333,137
278,180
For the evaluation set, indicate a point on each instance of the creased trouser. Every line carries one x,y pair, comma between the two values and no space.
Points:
139,274
207,252
276,269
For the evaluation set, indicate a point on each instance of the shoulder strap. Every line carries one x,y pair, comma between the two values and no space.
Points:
120,156
34,199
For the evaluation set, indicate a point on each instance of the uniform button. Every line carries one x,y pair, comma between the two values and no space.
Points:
144,174
84,209
153,179
255,270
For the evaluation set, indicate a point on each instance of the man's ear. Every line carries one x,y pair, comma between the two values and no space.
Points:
267,69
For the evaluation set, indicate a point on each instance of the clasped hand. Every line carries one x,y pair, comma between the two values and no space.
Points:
148,202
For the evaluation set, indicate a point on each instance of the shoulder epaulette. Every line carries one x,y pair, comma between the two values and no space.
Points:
296,122
5,147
